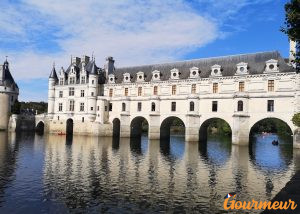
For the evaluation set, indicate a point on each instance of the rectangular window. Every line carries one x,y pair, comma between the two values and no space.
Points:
155,90
92,94
111,92
72,104
82,80
126,91
61,81
105,108
71,91
173,106
72,80
110,107
215,88
98,108
173,89
82,93
60,107
139,91
241,86
139,107
92,108
270,105
81,106
82,119
193,89
123,107
214,106
93,82
60,93
270,85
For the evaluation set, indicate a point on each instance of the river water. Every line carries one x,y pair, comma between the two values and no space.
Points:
52,174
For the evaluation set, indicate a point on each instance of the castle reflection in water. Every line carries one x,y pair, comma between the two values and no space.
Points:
53,174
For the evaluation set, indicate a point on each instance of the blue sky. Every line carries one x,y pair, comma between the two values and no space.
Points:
36,33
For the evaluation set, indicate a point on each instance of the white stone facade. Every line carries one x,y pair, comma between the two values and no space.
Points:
242,90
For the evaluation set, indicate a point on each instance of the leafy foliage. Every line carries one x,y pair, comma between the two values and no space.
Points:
292,26
271,125
219,126
16,108
41,107
296,119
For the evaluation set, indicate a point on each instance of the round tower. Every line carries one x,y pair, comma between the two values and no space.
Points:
51,92
92,92
4,110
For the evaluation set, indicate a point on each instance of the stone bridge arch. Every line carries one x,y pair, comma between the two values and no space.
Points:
40,127
288,124
203,129
255,120
165,126
116,127
137,126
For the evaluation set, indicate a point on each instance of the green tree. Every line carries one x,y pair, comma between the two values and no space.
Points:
296,119
292,26
16,107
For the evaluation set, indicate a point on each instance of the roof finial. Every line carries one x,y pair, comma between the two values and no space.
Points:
92,55
53,64
6,58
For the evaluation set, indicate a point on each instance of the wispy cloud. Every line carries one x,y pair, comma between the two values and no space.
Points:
35,33
134,32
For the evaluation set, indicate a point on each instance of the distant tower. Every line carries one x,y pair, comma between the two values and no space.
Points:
51,92
9,92
92,91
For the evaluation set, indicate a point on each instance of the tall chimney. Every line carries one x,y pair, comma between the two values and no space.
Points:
293,51
109,67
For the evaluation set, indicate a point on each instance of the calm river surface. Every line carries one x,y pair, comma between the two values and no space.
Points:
49,174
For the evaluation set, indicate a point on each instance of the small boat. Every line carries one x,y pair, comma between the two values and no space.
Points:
275,142
61,133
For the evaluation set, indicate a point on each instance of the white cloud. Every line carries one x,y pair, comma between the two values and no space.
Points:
133,31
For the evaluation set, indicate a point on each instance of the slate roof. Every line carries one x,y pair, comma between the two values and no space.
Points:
90,67
8,78
53,74
256,65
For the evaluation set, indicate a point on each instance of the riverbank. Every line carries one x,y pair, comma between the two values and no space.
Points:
290,191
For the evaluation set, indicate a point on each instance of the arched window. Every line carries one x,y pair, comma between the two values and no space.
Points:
240,105
152,106
192,106
123,107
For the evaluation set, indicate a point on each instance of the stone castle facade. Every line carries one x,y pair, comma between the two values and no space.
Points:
240,89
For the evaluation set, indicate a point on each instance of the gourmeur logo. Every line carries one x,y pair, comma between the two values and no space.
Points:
256,205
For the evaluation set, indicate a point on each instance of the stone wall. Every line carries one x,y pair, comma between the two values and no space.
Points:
21,123
4,111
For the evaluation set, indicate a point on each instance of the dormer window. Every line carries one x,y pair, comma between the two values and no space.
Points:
216,70
126,77
155,75
242,68
61,81
140,76
82,79
272,66
174,73
72,80
194,72
111,78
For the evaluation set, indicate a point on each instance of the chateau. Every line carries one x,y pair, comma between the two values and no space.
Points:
9,92
240,89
